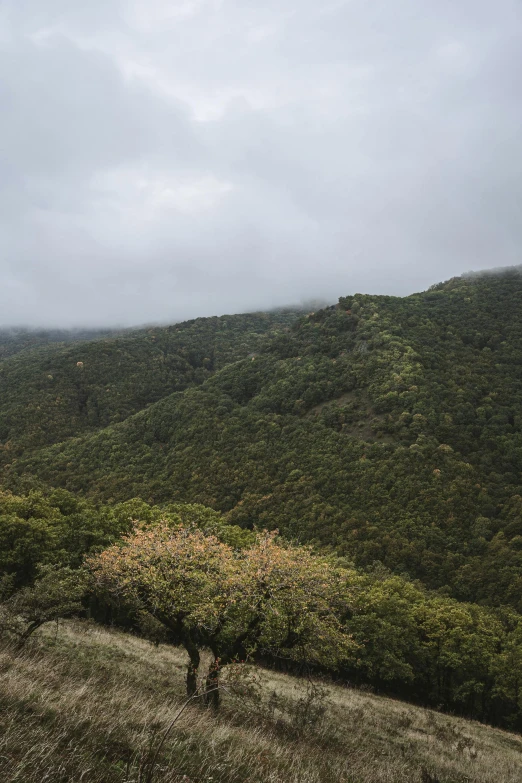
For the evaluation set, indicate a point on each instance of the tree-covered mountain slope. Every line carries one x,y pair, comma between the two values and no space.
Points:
388,428
55,391
18,339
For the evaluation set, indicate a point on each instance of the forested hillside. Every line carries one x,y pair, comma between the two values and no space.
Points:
15,340
384,431
386,428
75,386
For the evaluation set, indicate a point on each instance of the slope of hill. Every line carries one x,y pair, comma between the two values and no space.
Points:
16,340
408,642
388,428
56,391
89,704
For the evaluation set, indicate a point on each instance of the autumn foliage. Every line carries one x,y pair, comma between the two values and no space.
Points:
268,599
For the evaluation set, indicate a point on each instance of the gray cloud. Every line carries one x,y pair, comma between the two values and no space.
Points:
162,159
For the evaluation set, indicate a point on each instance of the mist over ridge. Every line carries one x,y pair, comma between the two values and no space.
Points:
164,160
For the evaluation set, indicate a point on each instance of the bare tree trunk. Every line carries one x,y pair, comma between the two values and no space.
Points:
212,696
193,666
31,628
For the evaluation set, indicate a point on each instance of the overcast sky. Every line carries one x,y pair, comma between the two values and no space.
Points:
164,159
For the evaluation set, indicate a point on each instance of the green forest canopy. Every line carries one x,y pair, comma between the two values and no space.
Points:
382,430
385,428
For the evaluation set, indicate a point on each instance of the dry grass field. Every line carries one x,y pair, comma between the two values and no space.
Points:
87,705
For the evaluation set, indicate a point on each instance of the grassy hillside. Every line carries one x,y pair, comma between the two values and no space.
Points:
84,703
404,640
55,391
387,428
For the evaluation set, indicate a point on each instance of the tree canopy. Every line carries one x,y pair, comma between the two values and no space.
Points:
181,574
269,598
386,428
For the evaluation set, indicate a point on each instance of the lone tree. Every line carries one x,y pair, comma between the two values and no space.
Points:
268,599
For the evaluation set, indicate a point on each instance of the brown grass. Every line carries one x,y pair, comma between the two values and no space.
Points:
88,705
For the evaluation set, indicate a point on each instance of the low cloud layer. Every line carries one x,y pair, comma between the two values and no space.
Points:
164,159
